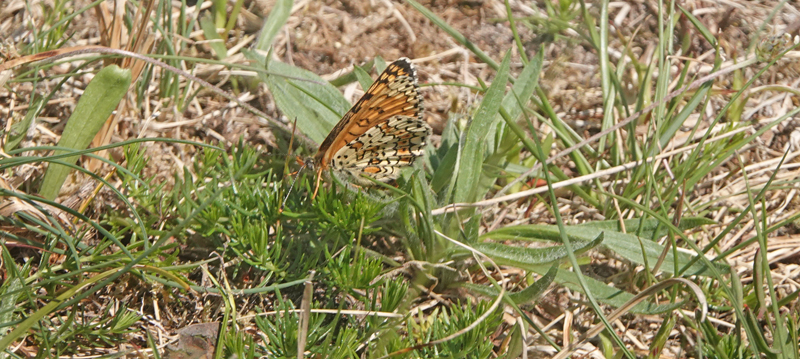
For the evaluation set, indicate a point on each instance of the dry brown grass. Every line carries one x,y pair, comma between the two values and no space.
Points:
329,37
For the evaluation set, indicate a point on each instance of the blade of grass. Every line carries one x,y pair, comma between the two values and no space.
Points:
460,38
277,18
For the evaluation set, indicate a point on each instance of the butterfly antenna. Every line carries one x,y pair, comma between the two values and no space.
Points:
291,143
296,175
286,167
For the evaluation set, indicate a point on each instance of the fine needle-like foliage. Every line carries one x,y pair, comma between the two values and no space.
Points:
604,179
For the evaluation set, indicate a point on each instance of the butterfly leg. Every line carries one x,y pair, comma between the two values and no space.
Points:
316,187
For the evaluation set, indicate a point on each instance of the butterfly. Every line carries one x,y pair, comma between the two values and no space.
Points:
382,133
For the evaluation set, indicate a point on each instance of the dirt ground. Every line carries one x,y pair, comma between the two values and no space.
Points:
329,37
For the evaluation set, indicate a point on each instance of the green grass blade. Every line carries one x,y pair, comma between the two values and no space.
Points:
460,38
700,27
363,77
210,32
676,122
277,18
19,130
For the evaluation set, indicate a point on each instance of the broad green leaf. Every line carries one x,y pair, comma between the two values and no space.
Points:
444,160
304,96
444,172
521,257
626,245
535,259
349,77
515,101
98,101
380,64
649,228
8,301
630,247
605,293
471,162
525,296
277,18
515,345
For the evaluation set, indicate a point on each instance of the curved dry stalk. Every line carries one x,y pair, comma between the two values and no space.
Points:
474,324
595,330
92,49
630,118
609,171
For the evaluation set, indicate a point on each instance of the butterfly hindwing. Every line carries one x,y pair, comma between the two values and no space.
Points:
382,150
393,93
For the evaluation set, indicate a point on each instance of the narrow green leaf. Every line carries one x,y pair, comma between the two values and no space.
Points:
220,8
20,129
453,32
363,77
101,97
277,18
216,42
661,337
471,162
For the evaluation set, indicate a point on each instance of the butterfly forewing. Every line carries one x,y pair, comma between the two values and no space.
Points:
382,133
393,93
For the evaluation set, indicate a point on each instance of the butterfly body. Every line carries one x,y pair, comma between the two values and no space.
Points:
383,132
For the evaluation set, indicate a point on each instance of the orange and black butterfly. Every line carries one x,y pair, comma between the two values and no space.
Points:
383,132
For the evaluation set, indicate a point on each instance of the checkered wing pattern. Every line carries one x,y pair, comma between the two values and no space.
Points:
380,152
382,132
